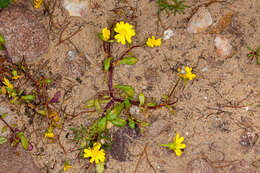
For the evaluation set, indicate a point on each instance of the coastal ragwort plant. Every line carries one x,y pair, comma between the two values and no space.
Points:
110,106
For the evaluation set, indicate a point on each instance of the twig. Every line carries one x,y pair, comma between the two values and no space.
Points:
7,124
140,157
69,37
146,156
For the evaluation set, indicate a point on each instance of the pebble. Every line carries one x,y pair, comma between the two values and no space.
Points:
223,46
25,35
76,7
167,34
200,21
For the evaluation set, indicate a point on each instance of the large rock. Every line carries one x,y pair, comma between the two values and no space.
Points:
200,21
16,160
25,36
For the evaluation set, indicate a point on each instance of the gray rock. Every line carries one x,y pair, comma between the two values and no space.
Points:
25,36
16,160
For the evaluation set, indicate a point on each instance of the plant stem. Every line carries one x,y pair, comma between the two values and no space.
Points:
7,124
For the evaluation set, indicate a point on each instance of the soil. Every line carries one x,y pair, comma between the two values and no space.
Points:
212,111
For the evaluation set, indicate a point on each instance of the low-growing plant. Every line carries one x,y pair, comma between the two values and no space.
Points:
254,54
109,108
177,6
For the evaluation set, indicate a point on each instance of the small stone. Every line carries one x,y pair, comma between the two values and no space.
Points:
76,7
167,34
223,46
24,34
199,166
242,167
248,138
74,64
205,69
200,21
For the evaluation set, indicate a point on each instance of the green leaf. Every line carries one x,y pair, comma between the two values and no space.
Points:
14,73
2,140
151,104
258,105
20,92
4,3
141,99
4,129
90,103
127,89
128,61
2,39
28,97
127,103
119,122
100,36
100,167
107,63
23,139
24,142
48,81
114,113
131,124
4,115
97,105
101,125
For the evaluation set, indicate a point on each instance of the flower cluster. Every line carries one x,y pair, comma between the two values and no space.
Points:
186,73
96,154
177,145
124,33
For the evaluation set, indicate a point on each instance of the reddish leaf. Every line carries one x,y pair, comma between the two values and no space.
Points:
56,97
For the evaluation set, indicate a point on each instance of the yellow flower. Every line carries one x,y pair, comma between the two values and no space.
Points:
186,73
66,166
125,32
96,154
37,3
106,34
16,77
176,145
49,134
8,84
153,42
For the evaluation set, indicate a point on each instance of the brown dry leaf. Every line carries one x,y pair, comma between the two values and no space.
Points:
222,24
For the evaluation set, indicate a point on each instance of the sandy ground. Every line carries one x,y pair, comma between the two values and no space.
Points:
211,112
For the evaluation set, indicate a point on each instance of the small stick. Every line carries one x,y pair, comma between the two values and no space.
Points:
69,37
7,124
140,157
146,156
